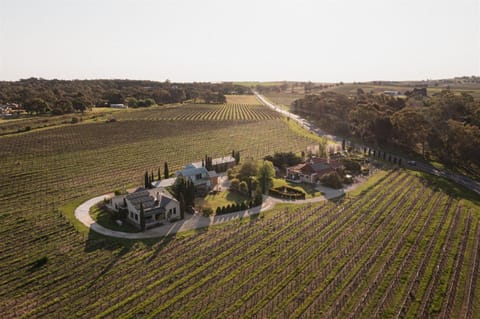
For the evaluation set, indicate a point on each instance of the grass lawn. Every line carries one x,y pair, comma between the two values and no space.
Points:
220,199
308,189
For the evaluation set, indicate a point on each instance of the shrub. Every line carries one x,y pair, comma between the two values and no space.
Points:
243,187
235,184
207,211
351,165
287,192
332,180
218,211
75,120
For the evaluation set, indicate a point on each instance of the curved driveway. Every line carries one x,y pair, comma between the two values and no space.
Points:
82,213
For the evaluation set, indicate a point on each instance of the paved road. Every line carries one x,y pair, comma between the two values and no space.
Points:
419,166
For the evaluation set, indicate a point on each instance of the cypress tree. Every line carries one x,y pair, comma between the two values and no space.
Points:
147,180
152,178
165,170
142,217
159,175
182,206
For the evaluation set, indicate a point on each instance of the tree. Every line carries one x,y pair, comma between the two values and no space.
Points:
265,175
81,103
131,102
248,169
332,179
142,217
412,127
62,107
147,180
183,206
159,175
165,170
36,105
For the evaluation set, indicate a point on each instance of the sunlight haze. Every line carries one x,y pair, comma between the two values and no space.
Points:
186,40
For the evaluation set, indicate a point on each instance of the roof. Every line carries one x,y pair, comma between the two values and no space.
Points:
165,182
192,171
315,165
148,198
213,174
215,161
164,201
143,197
223,160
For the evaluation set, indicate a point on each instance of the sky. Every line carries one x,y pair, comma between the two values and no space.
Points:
249,40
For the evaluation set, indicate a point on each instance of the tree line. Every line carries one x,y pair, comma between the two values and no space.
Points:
39,96
445,126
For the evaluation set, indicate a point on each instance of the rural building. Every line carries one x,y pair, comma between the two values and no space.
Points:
119,106
158,206
199,176
220,164
312,170
391,93
164,183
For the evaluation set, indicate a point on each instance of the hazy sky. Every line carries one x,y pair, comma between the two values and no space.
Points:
214,40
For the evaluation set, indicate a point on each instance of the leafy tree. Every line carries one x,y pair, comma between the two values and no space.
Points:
411,127
265,175
62,107
332,180
131,101
36,105
249,168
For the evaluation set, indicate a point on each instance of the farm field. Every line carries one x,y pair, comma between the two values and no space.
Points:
242,99
284,99
399,248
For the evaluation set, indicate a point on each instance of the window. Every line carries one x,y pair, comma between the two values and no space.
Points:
198,176
136,217
174,210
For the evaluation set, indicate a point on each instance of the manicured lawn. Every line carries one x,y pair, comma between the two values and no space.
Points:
220,199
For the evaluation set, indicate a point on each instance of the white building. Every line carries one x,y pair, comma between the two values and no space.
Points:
158,206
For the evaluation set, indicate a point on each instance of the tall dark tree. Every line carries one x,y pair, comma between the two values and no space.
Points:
147,180
183,206
165,170
159,175
142,217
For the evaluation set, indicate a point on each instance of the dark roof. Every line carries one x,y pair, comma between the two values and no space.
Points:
141,196
164,200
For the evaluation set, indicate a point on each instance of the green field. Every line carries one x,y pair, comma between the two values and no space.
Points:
368,254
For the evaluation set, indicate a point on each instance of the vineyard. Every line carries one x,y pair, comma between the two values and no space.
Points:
399,248
204,112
